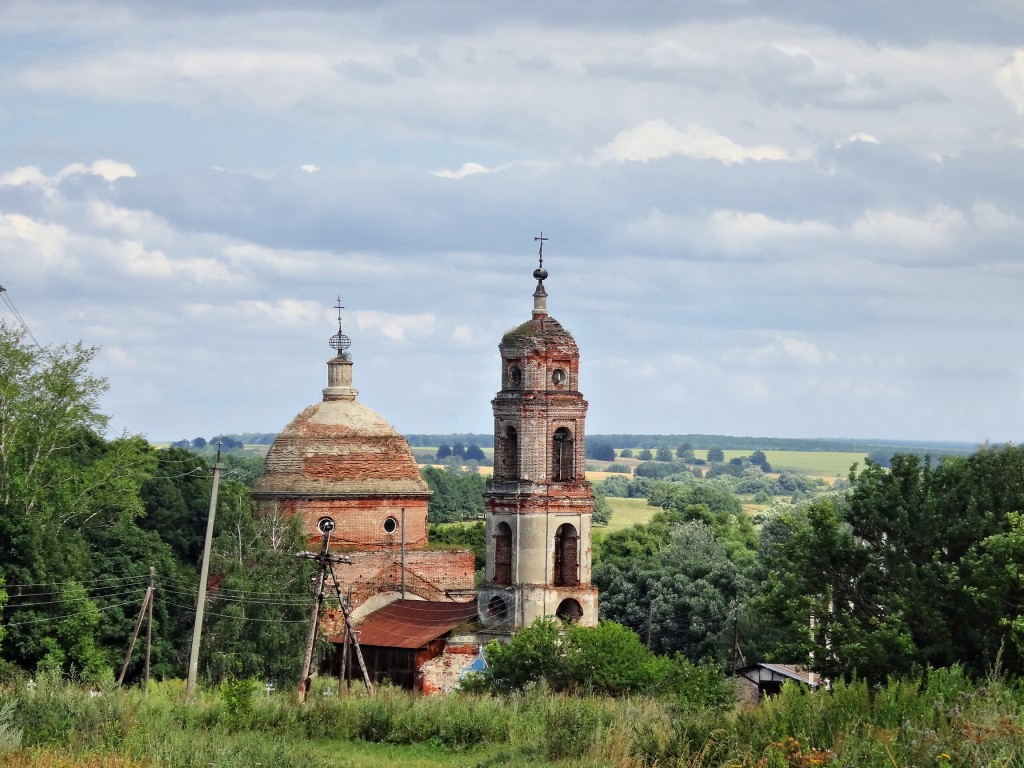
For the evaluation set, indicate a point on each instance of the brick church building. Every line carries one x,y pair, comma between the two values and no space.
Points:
418,619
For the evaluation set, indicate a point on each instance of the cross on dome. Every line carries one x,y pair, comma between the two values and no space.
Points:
540,296
340,341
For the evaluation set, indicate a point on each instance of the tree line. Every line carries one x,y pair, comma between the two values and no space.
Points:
911,566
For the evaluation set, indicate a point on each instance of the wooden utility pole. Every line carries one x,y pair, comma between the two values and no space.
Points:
349,634
325,565
193,659
314,616
147,603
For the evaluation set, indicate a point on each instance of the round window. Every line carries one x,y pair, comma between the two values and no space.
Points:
559,376
390,525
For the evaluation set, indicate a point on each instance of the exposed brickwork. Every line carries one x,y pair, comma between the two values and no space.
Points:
538,489
359,522
440,673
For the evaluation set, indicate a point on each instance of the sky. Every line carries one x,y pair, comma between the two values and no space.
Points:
786,218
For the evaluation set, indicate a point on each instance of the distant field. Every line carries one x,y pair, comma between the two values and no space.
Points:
823,463
627,512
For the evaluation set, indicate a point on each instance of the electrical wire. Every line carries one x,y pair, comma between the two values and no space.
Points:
242,618
7,300
103,580
67,615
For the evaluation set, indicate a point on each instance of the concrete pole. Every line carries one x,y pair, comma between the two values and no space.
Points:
204,572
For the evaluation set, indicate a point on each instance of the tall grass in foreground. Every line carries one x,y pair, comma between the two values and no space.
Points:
943,719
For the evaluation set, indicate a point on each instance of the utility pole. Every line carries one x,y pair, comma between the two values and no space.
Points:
349,634
314,616
149,623
147,603
193,660
325,565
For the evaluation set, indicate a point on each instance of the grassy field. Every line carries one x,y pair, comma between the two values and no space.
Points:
815,463
627,512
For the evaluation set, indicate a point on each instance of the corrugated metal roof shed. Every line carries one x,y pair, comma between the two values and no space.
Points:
411,623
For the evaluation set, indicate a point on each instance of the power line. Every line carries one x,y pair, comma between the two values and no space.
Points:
106,580
7,300
67,615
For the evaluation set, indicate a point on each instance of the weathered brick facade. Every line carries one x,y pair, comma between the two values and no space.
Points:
340,461
539,506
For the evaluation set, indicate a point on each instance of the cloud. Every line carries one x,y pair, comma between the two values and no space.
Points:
935,229
1009,80
656,139
781,349
396,326
467,169
109,170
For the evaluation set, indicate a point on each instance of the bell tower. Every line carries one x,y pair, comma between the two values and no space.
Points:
538,503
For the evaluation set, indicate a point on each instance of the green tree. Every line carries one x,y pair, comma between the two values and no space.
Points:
626,453
258,617
455,495
62,486
463,535
715,454
602,508
600,451
663,454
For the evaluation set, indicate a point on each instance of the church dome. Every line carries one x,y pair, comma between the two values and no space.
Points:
339,447
538,333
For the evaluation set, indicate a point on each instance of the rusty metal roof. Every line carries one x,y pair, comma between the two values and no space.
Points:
411,623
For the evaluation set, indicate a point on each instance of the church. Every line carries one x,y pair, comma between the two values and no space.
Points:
418,619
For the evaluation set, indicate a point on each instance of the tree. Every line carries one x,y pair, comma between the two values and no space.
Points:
465,536
602,508
645,455
600,451
62,488
674,583
626,453
455,495
715,454
759,459
443,452
199,443
663,454
684,451
260,606
475,453
914,566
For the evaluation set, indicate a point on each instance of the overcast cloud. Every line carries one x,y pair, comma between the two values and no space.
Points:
784,219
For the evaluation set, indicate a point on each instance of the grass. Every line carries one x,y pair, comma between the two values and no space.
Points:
942,718
814,463
627,512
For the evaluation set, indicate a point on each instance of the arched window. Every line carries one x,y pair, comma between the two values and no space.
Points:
502,554
562,456
497,608
508,459
567,556
569,611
